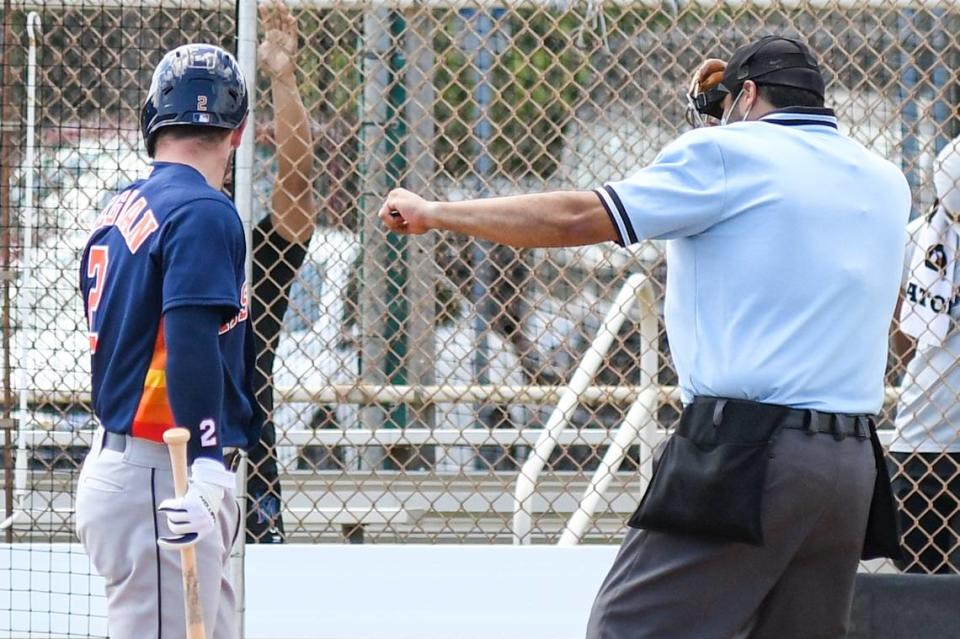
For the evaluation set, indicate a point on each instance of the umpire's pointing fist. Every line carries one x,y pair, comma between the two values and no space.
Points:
407,213
561,218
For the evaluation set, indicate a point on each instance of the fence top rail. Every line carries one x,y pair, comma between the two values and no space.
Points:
366,437
370,394
559,5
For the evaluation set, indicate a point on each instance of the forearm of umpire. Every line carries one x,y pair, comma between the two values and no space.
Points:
559,218
194,377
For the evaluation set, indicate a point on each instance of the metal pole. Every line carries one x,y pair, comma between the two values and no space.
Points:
396,253
940,77
906,96
243,198
375,49
366,395
7,124
478,40
420,287
243,163
26,293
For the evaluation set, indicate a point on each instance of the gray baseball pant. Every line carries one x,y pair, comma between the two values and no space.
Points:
118,524
798,585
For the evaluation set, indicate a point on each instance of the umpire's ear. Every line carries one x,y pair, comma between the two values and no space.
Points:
237,134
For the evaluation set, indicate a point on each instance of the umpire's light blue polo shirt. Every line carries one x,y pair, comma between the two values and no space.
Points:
784,260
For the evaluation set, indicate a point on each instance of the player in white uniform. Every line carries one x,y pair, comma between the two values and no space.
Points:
927,443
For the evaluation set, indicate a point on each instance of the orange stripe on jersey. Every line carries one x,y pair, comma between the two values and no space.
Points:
153,413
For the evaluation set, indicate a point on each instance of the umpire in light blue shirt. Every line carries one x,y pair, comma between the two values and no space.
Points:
786,241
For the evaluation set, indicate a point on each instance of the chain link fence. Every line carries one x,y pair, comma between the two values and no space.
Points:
412,378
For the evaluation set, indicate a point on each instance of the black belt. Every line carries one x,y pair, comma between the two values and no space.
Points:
118,443
840,425
114,442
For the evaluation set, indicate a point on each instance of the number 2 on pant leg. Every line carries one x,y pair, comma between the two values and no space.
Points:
208,433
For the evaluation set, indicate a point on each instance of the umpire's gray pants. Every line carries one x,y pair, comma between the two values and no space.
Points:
118,524
799,584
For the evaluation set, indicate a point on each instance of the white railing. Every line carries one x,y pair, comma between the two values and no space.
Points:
640,421
636,288
23,311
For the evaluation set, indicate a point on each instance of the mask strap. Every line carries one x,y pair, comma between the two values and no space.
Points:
694,118
726,116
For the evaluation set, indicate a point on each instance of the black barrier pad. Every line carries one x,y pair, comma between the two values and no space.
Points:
906,607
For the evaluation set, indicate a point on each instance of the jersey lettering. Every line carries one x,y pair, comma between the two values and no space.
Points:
242,315
129,214
122,211
141,231
109,213
97,262
208,433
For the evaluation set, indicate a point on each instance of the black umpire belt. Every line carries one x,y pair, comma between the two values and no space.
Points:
839,425
710,480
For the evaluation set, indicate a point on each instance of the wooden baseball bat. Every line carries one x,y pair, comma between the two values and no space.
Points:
176,440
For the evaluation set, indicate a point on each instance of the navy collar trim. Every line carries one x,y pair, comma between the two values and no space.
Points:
802,116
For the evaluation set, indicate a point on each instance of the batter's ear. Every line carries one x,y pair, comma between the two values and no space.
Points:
237,134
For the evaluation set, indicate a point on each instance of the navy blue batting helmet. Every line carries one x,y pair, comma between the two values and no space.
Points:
194,85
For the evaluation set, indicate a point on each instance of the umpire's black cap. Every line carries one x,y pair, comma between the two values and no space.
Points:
774,60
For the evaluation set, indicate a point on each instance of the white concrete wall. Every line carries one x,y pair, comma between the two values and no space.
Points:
340,592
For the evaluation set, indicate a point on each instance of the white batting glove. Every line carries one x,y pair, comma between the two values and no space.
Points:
192,517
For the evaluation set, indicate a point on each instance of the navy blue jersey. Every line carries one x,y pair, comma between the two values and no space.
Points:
168,241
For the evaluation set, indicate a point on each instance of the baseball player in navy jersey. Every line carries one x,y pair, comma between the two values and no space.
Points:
164,288
785,240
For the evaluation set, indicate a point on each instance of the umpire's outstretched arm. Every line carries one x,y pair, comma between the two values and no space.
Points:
560,218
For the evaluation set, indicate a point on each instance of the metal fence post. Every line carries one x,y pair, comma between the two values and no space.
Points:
375,180
422,277
243,198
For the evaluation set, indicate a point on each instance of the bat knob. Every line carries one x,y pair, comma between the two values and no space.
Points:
176,436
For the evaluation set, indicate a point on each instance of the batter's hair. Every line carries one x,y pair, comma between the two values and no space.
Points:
781,97
206,135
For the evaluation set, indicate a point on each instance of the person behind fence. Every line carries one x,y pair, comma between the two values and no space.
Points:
926,449
785,239
280,241
163,280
